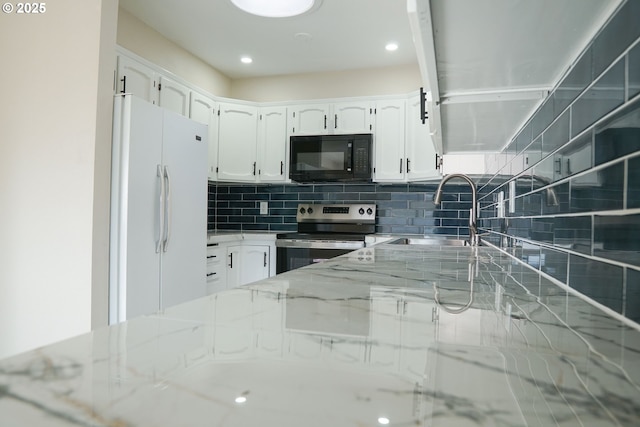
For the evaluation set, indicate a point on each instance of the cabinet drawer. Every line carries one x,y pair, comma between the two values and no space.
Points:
215,254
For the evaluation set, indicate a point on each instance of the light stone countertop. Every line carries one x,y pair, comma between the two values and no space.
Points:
416,336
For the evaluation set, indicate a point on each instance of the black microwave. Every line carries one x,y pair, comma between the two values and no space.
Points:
326,158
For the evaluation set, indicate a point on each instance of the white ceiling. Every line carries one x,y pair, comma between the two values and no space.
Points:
345,34
495,59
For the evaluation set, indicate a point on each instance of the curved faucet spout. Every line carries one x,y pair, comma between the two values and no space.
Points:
474,239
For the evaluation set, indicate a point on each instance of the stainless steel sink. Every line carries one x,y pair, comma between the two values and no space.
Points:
430,241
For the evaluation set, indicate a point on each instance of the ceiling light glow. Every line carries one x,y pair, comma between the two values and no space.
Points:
274,8
246,60
384,421
240,399
391,47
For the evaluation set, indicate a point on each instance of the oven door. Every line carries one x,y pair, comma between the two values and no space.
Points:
294,253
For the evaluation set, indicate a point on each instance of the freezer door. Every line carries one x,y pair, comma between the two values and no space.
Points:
183,263
135,265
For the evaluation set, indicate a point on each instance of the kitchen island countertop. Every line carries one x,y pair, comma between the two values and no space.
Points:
404,336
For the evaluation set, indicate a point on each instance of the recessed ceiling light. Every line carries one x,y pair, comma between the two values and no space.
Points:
246,60
274,8
383,420
240,399
391,47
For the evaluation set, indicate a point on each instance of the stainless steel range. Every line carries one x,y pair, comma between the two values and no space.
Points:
324,231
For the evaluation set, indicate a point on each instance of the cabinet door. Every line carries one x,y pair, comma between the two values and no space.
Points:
352,117
234,266
272,144
137,79
419,148
237,136
174,96
254,263
390,161
309,119
202,109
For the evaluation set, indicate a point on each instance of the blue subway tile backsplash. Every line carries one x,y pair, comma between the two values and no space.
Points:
576,212
401,208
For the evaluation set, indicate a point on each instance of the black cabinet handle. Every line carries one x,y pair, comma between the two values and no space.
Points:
231,260
211,256
408,161
265,259
211,274
281,168
400,165
124,84
325,121
423,109
335,119
559,169
254,168
568,166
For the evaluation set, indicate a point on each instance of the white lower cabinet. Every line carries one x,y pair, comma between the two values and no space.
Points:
216,268
247,263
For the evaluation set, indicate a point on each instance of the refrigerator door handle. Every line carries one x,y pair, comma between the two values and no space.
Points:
167,204
160,210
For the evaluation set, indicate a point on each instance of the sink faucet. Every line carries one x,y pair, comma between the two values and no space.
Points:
474,238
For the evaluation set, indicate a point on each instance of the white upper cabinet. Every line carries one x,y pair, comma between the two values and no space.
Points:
309,119
333,118
404,150
237,138
420,150
272,144
137,79
174,96
202,109
351,117
389,141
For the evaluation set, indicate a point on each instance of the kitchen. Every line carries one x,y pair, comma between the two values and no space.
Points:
554,253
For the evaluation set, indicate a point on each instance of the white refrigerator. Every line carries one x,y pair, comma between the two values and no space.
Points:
158,209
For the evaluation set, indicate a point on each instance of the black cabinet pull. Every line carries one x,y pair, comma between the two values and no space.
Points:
559,169
231,260
124,84
408,170
335,119
281,168
254,168
568,166
400,165
325,121
211,274
265,259
423,109
211,256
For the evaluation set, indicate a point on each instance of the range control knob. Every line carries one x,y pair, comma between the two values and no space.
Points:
361,211
302,211
310,210
369,211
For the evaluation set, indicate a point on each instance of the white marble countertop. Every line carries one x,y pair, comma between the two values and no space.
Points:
399,336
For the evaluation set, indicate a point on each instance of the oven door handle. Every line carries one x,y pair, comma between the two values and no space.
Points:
319,244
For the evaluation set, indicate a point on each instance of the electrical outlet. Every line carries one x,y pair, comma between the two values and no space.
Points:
264,208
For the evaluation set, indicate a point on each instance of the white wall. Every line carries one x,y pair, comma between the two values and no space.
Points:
377,81
54,123
143,40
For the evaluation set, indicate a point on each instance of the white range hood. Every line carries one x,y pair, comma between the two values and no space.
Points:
489,64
